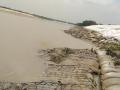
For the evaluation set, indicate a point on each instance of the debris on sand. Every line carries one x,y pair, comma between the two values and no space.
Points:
57,55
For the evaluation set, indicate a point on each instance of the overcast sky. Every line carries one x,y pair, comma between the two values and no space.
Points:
102,11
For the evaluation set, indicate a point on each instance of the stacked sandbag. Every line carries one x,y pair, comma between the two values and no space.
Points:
110,75
77,69
41,85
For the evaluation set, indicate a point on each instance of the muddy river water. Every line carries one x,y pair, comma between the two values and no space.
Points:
21,37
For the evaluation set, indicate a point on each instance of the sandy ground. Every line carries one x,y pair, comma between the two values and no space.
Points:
20,40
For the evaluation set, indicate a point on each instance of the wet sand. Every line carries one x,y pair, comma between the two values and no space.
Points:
20,40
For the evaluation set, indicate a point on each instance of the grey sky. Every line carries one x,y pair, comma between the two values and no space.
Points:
103,11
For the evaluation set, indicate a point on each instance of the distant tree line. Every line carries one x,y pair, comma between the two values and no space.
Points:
87,23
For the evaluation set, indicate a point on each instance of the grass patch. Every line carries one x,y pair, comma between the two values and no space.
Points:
111,46
117,62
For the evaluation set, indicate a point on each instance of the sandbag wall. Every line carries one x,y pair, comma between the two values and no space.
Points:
110,74
78,69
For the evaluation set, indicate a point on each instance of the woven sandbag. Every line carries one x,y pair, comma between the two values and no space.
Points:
110,75
107,62
90,65
103,60
93,64
110,64
110,82
107,70
87,62
107,66
114,87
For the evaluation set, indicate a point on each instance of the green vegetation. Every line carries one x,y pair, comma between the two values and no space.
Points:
117,62
87,23
111,46
113,49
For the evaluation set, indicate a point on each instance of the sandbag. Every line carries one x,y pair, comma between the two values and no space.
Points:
114,87
107,70
107,62
93,64
109,82
104,60
107,65
111,75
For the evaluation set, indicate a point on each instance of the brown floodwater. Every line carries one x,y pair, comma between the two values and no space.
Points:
21,37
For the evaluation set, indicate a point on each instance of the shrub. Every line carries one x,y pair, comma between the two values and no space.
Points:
111,46
87,23
117,62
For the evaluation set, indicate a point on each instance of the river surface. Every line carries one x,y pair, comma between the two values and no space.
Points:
21,37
